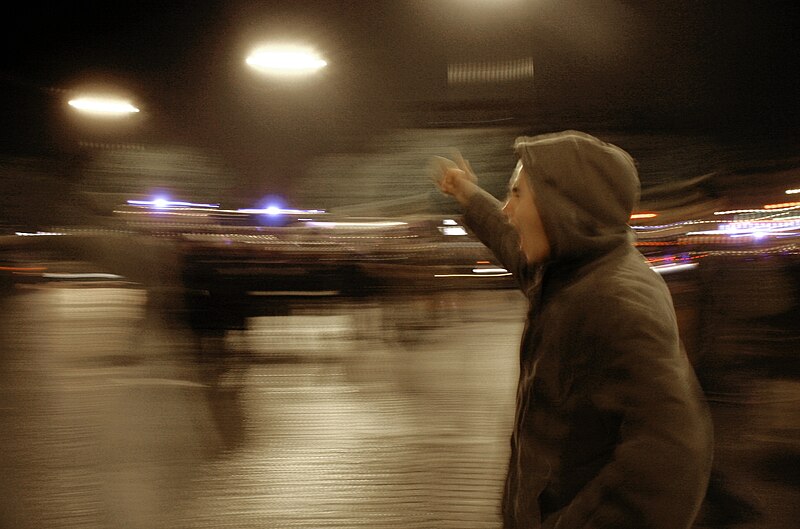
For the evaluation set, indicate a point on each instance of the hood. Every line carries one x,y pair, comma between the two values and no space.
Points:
585,190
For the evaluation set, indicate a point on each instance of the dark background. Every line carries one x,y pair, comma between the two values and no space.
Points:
729,69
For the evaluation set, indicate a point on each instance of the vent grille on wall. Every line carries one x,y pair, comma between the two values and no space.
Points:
490,71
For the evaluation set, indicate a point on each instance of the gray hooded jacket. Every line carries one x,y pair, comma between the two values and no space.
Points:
611,427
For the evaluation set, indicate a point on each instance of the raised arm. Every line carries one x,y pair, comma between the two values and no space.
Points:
482,214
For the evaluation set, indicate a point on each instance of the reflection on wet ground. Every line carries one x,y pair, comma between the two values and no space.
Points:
383,411
375,413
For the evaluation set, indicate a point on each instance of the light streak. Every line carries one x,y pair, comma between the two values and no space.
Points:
472,275
379,224
783,205
489,271
672,268
166,203
81,276
37,234
453,230
275,210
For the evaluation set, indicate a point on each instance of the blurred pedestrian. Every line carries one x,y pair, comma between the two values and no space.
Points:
611,427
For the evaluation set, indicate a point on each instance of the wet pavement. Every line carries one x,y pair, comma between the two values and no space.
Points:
379,412
344,414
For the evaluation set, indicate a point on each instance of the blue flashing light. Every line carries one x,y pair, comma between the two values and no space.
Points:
274,210
163,203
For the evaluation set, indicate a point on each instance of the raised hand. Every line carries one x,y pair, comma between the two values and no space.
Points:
454,178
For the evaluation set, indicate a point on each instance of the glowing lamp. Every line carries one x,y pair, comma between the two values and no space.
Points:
102,106
285,60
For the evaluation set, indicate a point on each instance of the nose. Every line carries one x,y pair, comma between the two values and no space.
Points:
508,209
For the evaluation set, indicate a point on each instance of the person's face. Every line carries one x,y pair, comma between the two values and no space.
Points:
523,215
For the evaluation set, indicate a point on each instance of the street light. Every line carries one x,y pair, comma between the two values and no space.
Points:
103,106
285,60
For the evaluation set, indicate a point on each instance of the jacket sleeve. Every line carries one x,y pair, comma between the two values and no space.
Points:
660,467
484,217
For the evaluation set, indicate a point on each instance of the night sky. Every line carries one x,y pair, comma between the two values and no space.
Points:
728,67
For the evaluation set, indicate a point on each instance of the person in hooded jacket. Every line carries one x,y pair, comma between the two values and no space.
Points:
611,427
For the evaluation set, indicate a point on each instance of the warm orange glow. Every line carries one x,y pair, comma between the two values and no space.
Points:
23,268
783,205
643,216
